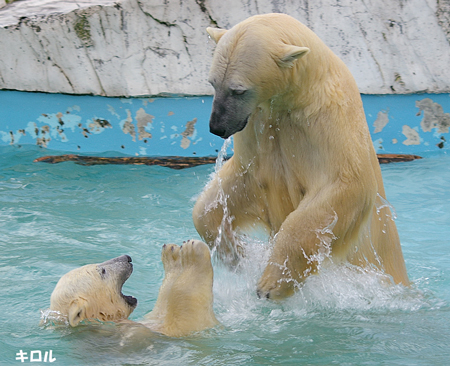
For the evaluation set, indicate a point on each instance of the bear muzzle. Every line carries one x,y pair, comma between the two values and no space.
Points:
225,130
120,268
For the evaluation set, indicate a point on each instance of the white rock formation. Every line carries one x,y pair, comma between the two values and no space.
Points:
143,47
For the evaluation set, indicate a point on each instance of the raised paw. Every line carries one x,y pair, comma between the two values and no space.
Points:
171,259
194,253
229,248
170,256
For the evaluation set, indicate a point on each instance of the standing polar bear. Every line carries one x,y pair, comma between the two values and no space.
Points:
303,165
185,299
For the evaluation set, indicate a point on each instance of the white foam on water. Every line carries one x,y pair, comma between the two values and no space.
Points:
336,290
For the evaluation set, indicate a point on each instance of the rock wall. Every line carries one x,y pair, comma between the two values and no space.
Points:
150,47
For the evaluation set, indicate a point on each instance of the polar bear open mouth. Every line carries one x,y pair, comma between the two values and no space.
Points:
130,300
123,265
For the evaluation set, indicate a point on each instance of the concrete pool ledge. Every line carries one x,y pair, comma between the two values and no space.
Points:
135,47
82,67
179,125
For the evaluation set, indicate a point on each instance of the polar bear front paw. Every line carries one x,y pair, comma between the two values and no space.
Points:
193,253
170,256
275,285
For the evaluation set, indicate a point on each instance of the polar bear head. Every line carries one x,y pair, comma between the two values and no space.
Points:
94,291
250,66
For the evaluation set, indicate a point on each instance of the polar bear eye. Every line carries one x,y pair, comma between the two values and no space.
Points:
102,272
238,91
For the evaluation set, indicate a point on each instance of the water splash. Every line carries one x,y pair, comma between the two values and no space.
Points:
52,318
235,288
326,237
345,287
339,289
226,240
336,288
382,203
222,156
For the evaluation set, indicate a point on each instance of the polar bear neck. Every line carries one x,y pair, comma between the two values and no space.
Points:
314,104
273,133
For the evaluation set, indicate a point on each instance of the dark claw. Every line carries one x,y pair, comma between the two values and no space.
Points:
258,293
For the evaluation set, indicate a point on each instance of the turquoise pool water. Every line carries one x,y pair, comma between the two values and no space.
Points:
54,218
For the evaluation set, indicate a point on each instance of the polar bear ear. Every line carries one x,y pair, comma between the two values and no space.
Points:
77,311
216,33
291,53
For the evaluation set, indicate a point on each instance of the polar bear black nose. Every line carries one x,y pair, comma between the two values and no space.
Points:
217,130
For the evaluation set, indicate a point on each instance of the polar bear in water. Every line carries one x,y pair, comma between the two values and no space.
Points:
185,299
304,166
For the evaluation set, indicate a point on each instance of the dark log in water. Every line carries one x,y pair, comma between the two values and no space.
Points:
176,162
